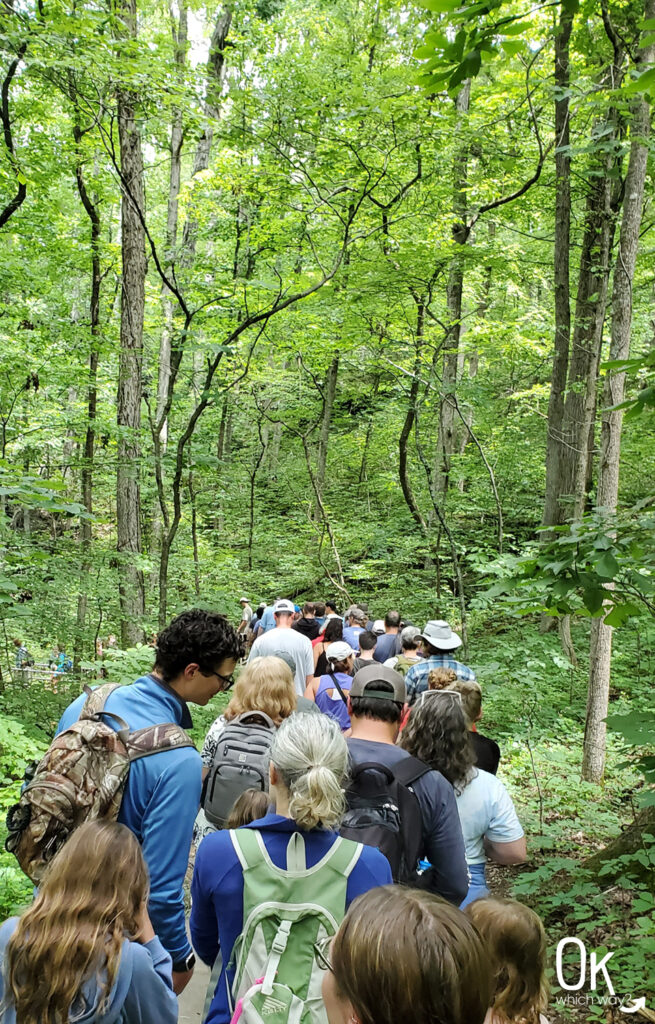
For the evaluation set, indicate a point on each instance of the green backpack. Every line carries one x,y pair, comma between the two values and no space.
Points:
277,976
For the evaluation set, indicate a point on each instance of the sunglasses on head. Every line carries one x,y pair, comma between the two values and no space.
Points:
429,694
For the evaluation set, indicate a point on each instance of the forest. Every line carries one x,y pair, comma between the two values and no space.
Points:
348,300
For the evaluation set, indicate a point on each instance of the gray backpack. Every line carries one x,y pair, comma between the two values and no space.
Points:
241,762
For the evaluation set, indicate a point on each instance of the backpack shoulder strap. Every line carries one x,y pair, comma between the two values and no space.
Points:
154,738
339,688
251,850
250,717
96,699
409,770
247,846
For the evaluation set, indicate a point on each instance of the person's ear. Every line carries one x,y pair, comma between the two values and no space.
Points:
190,670
350,705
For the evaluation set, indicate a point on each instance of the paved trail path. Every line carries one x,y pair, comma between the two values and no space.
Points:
192,999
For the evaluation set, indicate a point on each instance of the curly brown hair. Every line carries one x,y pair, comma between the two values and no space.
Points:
437,734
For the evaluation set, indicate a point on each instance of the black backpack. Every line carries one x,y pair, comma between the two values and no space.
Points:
383,811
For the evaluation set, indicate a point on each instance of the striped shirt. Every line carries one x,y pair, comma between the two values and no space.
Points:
417,676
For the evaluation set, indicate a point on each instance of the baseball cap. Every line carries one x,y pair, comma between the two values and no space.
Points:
283,606
338,651
378,627
364,683
410,633
243,600
439,634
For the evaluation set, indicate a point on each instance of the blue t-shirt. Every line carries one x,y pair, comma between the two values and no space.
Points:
217,890
334,705
267,621
387,646
351,636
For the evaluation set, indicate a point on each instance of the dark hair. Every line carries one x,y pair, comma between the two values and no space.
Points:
340,665
331,605
377,707
367,640
249,806
308,608
392,619
333,631
403,954
438,735
196,635
319,609
410,643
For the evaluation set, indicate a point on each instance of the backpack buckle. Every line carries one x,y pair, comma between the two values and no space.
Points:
281,938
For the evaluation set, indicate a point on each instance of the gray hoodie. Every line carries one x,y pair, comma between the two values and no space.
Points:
141,994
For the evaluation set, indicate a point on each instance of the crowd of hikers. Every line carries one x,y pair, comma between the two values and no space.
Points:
338,820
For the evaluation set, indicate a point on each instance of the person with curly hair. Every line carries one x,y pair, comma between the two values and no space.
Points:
437,734
85,950
195,657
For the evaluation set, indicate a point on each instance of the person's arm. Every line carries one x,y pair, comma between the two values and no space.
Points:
515,852
444,843
311,688
150,998
317,652
504,839
202,923
308,662
166,832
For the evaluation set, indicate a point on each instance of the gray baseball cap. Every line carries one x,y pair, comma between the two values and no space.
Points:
364,684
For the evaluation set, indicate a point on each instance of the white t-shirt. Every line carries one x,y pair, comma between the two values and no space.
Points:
486,811
289,641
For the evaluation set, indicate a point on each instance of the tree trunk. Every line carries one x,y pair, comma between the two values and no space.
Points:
593,763
447,442
330,389
128,499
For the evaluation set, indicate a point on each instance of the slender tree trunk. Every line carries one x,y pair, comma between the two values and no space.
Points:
128,499
253,483
447,442
330,389
593,763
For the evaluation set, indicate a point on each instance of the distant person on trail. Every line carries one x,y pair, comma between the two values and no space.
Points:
437,734
320,614
246,615
325,691
410,639
85,950
267,620
356,625
439,641
307,624
284,638
22,657
515,940
247,883
377,703
389,644
487,751
333,632
367,644
195,657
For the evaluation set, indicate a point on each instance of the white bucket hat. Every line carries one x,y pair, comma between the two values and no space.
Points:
439,634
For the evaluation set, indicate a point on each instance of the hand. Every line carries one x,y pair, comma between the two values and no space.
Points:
180,980
145,930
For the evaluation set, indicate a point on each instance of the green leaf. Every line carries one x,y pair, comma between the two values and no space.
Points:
440,6
593,598
607,566
643,83
512,46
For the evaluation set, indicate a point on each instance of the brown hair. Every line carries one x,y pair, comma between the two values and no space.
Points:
249,806
89,899
516,943
406,954
441,678
471,698
265,684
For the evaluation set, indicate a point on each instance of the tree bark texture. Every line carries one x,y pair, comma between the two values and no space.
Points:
128,502
593,763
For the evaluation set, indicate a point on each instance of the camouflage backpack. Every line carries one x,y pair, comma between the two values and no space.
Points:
80,778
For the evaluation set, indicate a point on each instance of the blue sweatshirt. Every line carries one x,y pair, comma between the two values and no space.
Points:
142,992
160,802
217,890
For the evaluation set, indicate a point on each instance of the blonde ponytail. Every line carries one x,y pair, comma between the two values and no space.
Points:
311,756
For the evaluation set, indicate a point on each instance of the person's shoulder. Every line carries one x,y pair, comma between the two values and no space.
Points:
375,863
7,929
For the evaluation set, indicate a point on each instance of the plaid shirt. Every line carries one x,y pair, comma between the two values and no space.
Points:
417,676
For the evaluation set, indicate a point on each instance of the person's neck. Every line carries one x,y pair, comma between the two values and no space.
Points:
374,730
284,625
280,800
391,630
366,655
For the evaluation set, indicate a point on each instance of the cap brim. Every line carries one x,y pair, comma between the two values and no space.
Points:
441,645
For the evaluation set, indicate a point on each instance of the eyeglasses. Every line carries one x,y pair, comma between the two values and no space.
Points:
322,950
430,694
228,681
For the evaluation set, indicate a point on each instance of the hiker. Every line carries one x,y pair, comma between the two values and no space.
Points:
515,941
85,949
377,703
284,638
329,690
244,880
403,955
388,644
356,618
195,657
333,632
487,751
320,614
267,619
367,644
263,697
438,643
22,657
410,639
437,734
307,624
249,806
246,615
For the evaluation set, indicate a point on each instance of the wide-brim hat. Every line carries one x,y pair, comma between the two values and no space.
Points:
438,634
243,600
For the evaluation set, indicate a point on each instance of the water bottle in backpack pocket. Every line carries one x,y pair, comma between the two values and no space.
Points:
241,762
286,913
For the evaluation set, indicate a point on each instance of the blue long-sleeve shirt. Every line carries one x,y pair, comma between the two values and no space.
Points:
142,992
217,890
160,801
